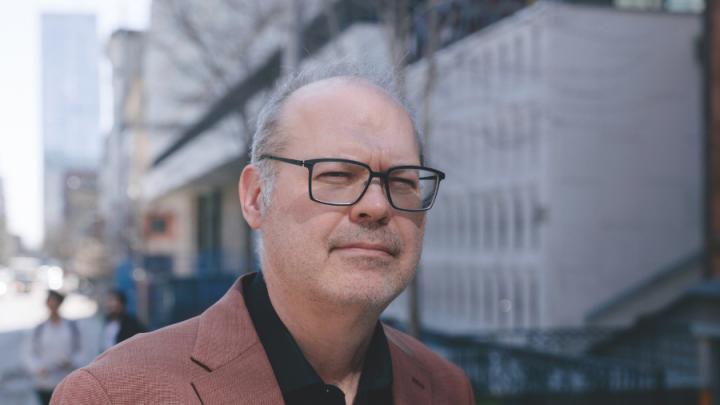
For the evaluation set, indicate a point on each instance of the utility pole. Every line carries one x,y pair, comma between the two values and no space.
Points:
710,57
415,321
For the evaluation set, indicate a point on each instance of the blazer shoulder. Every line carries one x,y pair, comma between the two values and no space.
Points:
420,352
170,342
154,367
449,379
80,388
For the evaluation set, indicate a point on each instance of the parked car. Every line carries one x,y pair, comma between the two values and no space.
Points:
24,270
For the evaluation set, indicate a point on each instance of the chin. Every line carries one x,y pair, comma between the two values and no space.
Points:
371,287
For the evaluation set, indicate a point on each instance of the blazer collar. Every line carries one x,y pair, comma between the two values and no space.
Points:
228,347
239,371
225,330
411,381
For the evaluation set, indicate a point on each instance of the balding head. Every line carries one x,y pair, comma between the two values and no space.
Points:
270,134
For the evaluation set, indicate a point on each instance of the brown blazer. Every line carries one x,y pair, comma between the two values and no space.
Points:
217,358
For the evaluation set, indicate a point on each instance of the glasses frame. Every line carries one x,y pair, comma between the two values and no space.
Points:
383,176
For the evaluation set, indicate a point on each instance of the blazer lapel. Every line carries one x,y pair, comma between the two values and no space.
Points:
228,347
248,379
411,382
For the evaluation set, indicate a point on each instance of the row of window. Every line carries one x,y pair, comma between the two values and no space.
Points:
497,148
479,221
515,59
477,298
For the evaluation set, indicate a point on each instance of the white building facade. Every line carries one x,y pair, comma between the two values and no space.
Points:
571,137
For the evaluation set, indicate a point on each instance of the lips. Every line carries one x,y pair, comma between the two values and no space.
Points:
373,247
380,241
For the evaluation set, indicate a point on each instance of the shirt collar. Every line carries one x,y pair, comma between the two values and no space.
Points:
291,368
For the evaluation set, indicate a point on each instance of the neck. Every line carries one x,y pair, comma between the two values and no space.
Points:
333,338
55,317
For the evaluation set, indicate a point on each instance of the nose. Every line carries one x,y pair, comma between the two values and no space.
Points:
373,207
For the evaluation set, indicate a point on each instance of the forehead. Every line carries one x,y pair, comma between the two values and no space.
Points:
348,117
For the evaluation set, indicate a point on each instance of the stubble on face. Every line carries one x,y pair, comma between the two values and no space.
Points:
328,275
305,242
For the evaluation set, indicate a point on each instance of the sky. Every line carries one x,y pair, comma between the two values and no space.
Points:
20,75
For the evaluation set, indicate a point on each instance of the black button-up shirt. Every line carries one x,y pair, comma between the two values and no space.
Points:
299,382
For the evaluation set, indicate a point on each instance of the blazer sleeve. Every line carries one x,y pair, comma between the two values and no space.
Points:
80,388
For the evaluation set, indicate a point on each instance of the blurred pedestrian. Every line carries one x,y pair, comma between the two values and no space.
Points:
53,350
119,325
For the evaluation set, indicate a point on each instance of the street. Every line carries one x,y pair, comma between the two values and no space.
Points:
20,313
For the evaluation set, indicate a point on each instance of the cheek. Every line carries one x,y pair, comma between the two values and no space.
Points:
413,230
296,235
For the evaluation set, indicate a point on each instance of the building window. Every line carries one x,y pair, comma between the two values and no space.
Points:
519,62
488,221
209,245
476,219
158,225
539,214
518,220
503,222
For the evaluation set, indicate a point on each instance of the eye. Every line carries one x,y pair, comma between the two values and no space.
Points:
335,174
336,177
402,183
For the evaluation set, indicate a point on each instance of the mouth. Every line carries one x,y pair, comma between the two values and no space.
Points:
365,248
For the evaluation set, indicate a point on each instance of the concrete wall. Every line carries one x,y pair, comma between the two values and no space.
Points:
571,140
483,253
622,135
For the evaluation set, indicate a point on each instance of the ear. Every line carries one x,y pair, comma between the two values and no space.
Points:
249,190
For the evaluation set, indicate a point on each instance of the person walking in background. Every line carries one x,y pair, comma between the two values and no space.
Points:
119,325
53,350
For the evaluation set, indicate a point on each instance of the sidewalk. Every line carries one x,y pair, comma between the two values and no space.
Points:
20,312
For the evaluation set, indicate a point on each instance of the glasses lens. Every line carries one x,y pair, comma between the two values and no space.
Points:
338,182
413,188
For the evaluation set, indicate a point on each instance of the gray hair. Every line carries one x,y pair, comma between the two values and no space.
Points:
267,138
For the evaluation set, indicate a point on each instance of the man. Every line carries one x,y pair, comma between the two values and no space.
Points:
119,325
53,349
337,190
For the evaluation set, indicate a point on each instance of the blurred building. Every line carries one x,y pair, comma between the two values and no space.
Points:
693,6
81,227
571,143
124,162
70,110
10,244
4,235
193,225
123,152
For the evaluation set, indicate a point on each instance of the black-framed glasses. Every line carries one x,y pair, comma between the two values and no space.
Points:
335,181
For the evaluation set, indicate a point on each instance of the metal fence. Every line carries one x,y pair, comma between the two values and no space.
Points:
503,374
499,370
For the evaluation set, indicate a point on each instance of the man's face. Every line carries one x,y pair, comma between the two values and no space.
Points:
113,305
53,304
362,254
